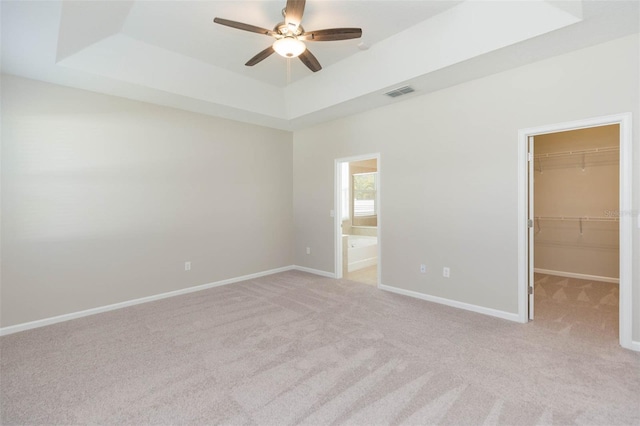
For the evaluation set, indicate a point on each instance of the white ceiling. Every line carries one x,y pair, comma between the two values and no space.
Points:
171,53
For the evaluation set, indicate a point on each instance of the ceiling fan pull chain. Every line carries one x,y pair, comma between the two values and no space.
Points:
288,71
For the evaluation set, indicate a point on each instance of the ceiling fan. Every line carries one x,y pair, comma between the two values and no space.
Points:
290,36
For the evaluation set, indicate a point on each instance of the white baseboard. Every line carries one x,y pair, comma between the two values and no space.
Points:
634,346
361,264
314,271
578,276
66,317
453,303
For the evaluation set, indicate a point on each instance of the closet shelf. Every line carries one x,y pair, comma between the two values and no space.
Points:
583,153
579,219
583,218
579,152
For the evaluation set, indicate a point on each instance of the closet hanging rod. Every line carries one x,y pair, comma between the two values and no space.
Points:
584,151
582,218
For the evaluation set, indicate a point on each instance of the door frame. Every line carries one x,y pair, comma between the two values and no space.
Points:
625,214
337,227
530,231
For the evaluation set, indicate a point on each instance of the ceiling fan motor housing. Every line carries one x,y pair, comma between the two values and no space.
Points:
283,30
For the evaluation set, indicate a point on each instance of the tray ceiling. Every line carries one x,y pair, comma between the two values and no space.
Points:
171,53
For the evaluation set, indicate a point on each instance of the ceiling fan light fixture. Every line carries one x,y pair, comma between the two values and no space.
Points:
289,47
290,36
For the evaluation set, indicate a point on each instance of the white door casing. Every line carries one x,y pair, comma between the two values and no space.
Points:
338,210
530,224
525,252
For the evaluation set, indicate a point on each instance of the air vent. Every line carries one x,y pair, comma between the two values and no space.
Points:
399,91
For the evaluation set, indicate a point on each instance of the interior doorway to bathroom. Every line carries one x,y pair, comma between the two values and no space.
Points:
357,214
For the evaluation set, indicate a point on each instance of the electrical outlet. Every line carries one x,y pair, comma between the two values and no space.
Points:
308,250
187,266
446,272
423,268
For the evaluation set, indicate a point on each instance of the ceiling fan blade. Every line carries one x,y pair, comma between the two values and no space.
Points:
293,12
310,61
332,34
243,26
260,56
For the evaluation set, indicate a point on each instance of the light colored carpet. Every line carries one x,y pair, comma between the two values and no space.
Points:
368,275
582,308
294,348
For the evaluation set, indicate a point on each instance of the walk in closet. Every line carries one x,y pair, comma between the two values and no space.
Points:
576,192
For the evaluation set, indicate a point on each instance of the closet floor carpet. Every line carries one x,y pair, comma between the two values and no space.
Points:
588,309
294,348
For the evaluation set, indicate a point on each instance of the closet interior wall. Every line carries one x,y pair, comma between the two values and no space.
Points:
576,201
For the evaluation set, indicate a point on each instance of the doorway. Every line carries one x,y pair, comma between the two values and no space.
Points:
357,219
575,231
576,238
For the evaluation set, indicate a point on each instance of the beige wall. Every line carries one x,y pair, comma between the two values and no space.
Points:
577,186
449,172
104,199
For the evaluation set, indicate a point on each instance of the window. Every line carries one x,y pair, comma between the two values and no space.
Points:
365,186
